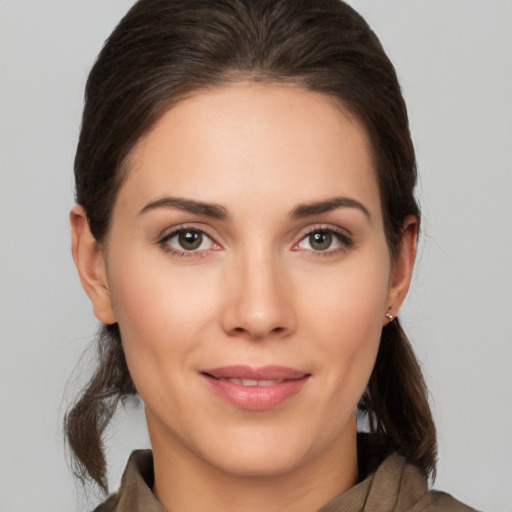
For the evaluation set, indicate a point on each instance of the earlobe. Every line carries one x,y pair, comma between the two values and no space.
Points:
90,263
403,265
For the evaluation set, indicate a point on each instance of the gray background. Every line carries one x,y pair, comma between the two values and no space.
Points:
454,61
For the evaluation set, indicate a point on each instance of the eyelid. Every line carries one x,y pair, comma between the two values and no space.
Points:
170,233
344,236
199,227
331,228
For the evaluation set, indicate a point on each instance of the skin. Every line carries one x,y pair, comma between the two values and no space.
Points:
257,292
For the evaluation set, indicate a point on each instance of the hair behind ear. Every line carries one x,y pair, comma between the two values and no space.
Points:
89,416
396,400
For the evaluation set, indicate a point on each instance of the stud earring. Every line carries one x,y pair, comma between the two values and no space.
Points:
389,316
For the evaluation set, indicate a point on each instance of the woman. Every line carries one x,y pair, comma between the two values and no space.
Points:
246,231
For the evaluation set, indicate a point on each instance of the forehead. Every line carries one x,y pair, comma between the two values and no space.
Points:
222,142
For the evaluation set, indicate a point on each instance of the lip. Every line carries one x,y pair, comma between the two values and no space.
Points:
262,389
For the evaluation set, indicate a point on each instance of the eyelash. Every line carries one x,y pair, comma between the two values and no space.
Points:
343,239
164,243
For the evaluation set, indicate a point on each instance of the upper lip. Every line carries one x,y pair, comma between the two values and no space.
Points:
251,373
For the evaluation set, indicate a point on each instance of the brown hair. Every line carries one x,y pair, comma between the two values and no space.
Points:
164,49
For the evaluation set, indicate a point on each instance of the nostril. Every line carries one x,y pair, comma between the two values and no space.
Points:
256,315
253,333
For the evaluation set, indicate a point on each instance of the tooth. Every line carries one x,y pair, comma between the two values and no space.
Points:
249,382
267,382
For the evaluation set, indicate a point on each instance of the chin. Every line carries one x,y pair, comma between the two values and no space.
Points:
266,463
261,453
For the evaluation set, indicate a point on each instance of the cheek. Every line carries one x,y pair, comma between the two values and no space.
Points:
345,316
159,312
350,300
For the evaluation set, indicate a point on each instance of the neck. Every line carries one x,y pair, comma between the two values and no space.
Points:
186,483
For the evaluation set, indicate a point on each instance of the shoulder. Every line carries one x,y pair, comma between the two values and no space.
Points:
395,486
389,478
404,483
136,484
109,505
443,502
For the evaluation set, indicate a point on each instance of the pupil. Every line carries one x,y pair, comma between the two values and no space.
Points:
320,240
190,240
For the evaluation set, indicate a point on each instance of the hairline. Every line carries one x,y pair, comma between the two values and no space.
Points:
227,79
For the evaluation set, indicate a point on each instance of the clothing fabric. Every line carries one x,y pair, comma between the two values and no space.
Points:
395,486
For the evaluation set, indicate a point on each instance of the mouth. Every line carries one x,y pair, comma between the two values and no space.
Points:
250,382
256,389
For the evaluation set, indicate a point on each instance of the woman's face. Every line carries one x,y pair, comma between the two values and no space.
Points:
248,269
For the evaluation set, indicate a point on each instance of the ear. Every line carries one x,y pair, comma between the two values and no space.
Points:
401,271
90,263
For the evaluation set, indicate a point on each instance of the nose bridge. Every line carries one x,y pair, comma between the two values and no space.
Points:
258,304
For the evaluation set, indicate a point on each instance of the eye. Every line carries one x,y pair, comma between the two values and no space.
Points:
323,240
320,240
187,240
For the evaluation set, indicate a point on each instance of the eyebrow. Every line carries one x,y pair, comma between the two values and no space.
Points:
219,212
306,210
188,205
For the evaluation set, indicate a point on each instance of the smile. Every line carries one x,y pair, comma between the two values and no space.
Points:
251,382
256,389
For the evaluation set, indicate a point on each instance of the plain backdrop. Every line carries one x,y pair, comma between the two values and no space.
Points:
453,58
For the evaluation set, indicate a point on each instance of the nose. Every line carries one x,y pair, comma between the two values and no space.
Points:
259,299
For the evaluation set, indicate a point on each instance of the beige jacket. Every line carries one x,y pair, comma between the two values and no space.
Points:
396,486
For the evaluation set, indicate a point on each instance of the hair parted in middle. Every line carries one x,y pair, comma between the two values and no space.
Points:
164,50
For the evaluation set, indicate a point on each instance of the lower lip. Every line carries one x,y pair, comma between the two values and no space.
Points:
256,398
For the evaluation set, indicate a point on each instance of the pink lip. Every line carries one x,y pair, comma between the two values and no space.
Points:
256,397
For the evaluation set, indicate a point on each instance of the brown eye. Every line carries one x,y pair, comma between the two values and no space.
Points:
320,240
190,240
324,242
